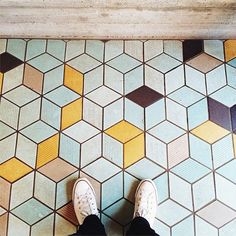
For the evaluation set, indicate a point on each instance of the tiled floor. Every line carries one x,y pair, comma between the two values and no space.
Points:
117,112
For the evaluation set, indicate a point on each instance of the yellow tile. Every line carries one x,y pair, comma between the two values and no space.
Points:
133,150
123,131
47,150
73,79
13,169
71,113
234,139
210,132
230,49
1,82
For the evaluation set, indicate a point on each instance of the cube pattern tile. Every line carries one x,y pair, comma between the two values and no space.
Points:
117,112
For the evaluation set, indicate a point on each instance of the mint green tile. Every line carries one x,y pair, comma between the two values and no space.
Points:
16,47
95,48
56,48
31,211
35,47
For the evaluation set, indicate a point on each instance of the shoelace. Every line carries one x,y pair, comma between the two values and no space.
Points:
144,205
86,205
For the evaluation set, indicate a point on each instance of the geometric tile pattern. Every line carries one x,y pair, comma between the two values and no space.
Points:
116,112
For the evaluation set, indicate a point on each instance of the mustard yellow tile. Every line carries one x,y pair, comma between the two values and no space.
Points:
47,150
73,79
133,150
123,131
230,49
1,82
13,169
71,113
210,132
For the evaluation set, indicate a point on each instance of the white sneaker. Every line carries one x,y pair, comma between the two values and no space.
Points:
146,201
84,200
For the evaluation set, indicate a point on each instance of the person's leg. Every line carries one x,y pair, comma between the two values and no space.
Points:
144,210
84,201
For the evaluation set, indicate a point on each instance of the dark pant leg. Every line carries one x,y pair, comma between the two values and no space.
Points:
140,226
92,226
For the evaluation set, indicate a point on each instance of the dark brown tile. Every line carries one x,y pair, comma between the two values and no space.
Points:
68,212
192,48
8,62
144,96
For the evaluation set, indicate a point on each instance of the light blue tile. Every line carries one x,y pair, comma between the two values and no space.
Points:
44,62
176,113
214,48
232,62
203,191
123,63
156,150
84,63
74,48
51,113
161,228
113,48
190,170
113,113
114,186
21,95
56,48
170,212
5,130
38,131
9,113
200,151
174,48
64,190
205,229
185,96
215,79
62,96
184,228
163,63
222,151
17,226
93,79
53,79
155,113
139,169
224,186
231,75
228,171
183,197
162,185
101,169
31,211
122,211
35,47
134,113
69,150
166,131
112,228
228,229
226,96
130,186
95,48
133,79
16,47
174,79
195,79
197,114
7,147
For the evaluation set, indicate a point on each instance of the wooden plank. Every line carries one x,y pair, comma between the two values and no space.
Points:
112,19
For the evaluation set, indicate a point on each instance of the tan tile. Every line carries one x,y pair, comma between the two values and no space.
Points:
204,62
57,169
68,212
5,188
3,224
33,78
178,150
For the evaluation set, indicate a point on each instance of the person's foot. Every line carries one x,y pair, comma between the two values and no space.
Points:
84,200
146,201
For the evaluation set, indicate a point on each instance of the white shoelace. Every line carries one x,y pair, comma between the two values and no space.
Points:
86,204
